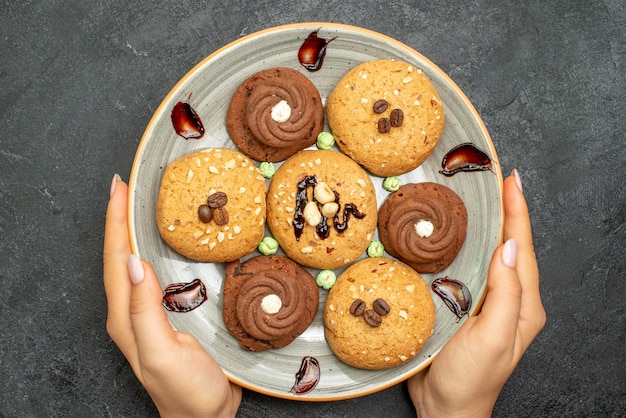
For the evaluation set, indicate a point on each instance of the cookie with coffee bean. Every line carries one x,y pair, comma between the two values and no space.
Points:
379,314
386,115
211,205
321,208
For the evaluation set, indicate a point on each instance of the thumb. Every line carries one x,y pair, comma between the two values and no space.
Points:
150,325
502,304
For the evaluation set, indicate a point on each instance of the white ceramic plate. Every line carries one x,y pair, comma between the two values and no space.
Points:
211,84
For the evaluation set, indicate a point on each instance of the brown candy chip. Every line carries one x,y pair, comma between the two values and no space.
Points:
217,200
384,125
372,318
380,106
220,216
381,307
396,117
205,214
357,308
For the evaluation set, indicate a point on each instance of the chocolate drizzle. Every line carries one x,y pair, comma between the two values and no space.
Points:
340,220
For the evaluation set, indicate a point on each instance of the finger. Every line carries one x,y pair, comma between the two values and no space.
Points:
502,305
117,284
517,225
153,333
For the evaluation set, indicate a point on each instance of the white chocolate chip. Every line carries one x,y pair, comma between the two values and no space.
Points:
424,228
306,250
213,170
281,111
242,190
189,175
237,229
271,304
403,314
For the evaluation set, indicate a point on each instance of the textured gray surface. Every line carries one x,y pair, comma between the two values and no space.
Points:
79,81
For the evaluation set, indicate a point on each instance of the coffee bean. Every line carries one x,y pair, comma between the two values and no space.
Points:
220,216
217,200
372,318
384,125
380,106
381,307
397,117
205,214
357,308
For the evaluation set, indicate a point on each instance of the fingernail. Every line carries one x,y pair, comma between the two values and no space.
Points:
509,253
135,269
518,180
116,178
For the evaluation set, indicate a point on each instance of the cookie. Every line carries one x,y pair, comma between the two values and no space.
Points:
211,205
424,225
268,301
378,315
275,113
386,115
321,208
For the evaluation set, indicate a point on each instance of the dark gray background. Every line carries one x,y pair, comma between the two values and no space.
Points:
79,81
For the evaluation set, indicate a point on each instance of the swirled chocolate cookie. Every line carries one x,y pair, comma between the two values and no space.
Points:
268,301
379,314
274,114
424,225
321,208
386,115
211,205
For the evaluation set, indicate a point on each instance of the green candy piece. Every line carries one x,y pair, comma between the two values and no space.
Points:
375,249
325,140
268,246
392,184
267,169
326,279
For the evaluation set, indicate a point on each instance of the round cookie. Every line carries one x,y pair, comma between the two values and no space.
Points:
237,218
309,184
402,322
355,111
424,225
275,113
268,301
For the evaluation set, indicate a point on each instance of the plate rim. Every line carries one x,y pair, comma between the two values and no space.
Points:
134,173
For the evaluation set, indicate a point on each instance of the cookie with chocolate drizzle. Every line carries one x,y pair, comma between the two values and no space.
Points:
321,208
268,302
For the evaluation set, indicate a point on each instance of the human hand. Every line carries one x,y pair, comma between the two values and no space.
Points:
469,372
179,375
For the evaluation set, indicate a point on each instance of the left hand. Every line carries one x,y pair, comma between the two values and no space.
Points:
180,376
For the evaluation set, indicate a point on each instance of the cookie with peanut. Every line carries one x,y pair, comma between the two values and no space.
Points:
321,207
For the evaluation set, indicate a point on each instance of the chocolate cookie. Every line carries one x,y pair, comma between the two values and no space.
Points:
386,115
211,205
268,301
274,114
424,225
379,314
321,208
